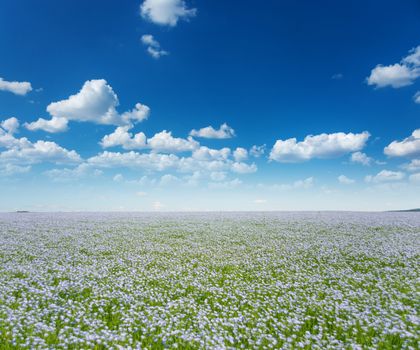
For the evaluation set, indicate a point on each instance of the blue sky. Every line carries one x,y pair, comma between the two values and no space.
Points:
209,105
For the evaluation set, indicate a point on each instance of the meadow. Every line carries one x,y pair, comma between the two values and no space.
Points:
209,280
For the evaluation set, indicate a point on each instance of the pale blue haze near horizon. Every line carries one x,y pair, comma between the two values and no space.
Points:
173,105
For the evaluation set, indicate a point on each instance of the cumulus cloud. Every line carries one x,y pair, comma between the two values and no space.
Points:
15,87
23,151
409,147
160,142
122,137
414,165
54,125
153,46
243,168
385,176
151,161
224,132
317,146
11,125
361,158
240,154
416,97
12,169
206,153
399,74
166,12
165,142
345,180
40,151
96,102
257,151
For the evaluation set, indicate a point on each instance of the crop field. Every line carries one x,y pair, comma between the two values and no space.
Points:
209,280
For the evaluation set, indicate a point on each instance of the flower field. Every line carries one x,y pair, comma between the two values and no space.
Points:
209,281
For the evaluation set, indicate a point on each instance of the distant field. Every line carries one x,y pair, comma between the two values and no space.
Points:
209,281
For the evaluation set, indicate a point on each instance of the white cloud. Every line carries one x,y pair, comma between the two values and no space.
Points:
399,74
11,169
40,151
396,75
165,142
55,124
153,46
415,178
160,142
317,146
414,165
23,151
168,180
16,87
151,161
385,175
148,39
408,147
141,194
345,180
137,114
166,12
121,137
416,97
11,125
257,151
240,154
96,102
361,158
413,58
7,140
224,132
243,168
205,153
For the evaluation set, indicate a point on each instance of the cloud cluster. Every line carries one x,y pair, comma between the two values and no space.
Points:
10,125
21,151
399,74
166,12
361,158
414,165
96,102
15,87
409,147
317,146
160,142
224,132
153,46
385,176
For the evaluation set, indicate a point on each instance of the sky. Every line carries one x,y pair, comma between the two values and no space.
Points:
173,105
